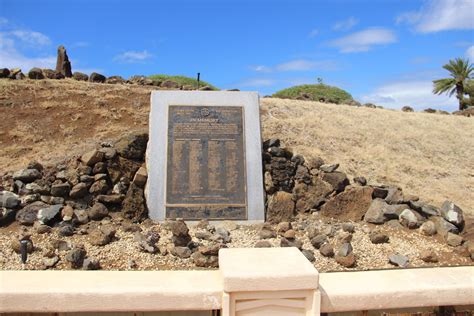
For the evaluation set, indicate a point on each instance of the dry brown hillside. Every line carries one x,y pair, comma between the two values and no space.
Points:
429,155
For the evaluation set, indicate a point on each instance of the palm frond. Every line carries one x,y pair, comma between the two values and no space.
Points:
447,85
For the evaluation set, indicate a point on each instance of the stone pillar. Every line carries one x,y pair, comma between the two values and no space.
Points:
268,281
63,65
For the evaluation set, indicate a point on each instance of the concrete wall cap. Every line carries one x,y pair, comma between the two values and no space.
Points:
266,269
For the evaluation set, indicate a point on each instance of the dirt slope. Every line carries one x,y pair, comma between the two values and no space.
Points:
429,155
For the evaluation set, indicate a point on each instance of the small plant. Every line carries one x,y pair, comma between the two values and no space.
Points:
319,80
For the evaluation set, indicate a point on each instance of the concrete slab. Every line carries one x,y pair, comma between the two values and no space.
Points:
266,269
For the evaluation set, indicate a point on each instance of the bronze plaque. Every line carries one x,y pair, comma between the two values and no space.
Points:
206,163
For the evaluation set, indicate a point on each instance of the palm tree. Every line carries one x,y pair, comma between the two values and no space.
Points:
460,70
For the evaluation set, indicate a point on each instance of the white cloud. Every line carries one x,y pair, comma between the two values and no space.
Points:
345,25
12,58
441,15
31,38
260,68
313,33
363,41
417,94
470,53
133,56
306,65
12,40
298,65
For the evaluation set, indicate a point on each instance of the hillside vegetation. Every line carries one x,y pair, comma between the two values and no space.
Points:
182,80
429,155
315,92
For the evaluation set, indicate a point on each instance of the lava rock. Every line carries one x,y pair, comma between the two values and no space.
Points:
27,175
291,243
181,252
134,206
99,187
398,260
91,264
78,191
344,250
309,255
47,215
348,261
35,73
132,146
319,240
76,257
66,230
96,77
310,197
9,200
338,180
281,207
428,228
375,213
98,211
409,219
453,214
28,214
60,189
378,238
267,232
263,244
326,250
329,167
454,240
429,256
92,157
351,204
79,76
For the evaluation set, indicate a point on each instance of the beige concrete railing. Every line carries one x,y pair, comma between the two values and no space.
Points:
275,281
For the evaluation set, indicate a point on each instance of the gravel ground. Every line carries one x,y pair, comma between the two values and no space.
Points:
118,254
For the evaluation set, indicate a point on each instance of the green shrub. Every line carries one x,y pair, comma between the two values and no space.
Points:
315,92
182,80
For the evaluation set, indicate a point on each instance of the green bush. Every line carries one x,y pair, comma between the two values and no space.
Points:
182,80
315,92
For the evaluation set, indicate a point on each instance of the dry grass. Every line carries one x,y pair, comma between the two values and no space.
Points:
429,155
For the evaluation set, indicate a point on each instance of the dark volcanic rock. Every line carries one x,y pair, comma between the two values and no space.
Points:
35,73
79,76
98,211
28,214
351,204
133,206
132,146
281,207
63,65
337,179
96,77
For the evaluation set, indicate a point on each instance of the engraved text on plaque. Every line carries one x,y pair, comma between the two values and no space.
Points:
206,163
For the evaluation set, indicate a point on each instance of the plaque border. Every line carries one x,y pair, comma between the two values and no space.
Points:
165,178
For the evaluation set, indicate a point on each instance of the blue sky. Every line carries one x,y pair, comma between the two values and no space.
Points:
381,51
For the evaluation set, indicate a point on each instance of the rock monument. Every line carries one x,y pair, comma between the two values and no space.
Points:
63,65
204,156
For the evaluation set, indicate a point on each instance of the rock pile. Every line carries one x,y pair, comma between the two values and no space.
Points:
102,192
70,195
295,186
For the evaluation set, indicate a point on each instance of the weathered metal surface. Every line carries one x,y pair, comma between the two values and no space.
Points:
206,163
